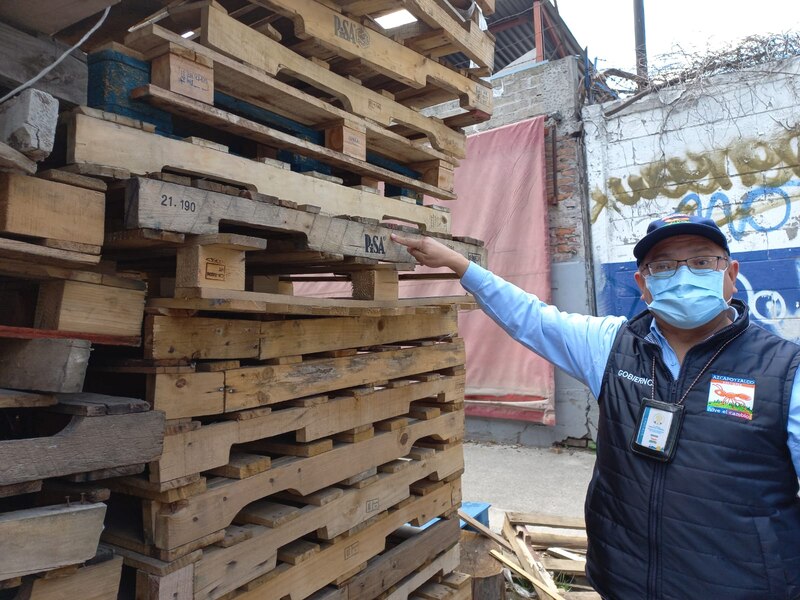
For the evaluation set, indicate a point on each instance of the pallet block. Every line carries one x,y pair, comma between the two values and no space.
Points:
95,438
46,538
215,260
44,365
96,141
37,208
209,446
90,308
184,72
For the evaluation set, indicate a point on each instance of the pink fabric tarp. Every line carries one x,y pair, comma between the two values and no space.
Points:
502,201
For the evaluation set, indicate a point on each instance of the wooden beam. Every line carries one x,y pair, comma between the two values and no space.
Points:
538,32
93,582
43,365
23,58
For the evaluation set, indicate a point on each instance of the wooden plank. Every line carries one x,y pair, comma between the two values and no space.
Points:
350,39
41,539
369,109
481,528
38,208
23,58
528,562
229,300
14,161
51,16
246,128
173,586
207,512
44,271
17,250
86,444
560,521
29,333
74,179
155,204
209,447
243,464
563,565
79,306
17,399
44,365
93,582
426,551
222,570
96,141
249,387
519,571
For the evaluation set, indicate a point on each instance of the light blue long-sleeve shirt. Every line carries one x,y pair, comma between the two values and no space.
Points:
579,344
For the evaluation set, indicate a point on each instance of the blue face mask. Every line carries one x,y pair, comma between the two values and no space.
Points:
687,300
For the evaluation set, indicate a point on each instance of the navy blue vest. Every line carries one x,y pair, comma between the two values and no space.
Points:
722,520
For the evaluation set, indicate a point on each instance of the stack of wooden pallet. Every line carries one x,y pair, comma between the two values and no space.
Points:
56,440
309,442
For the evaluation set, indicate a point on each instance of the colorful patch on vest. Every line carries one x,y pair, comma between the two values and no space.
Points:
732,396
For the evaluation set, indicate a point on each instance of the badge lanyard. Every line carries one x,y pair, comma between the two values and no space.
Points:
659,424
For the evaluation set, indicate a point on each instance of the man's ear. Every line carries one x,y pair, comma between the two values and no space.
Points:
646,296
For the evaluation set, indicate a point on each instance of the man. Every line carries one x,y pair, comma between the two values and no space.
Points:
694,491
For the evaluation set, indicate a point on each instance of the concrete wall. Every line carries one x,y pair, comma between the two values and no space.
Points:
522,92
727,148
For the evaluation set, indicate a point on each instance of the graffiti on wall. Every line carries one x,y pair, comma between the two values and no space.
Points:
770,165
762,196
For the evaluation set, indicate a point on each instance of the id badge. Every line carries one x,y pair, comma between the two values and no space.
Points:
657,429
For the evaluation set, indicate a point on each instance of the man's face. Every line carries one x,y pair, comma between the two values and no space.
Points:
682,247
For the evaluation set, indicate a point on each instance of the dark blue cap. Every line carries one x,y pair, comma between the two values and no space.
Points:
678,224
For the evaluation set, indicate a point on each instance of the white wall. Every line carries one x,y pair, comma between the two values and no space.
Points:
727,147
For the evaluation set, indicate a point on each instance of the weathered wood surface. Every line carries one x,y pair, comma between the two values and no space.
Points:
14,161
17,399
332,562
96,141
351,40
23,58
367,109
85,444
196,394
153,204
208,512
24,251
93,582
50,16
224,569
220,119
35,207
205,299
201,338
44,365
210,445
41,539
429,582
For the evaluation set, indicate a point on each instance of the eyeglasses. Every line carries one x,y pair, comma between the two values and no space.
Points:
700,265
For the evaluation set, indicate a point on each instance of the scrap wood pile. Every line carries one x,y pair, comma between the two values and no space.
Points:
544,556
176,419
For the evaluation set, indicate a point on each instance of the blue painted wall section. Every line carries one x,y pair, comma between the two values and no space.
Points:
769,281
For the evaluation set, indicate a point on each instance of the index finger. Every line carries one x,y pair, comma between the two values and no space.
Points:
408,242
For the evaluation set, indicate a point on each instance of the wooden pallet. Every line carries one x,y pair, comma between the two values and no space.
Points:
100,432
99,579
336,33
363,108
96,141
277,560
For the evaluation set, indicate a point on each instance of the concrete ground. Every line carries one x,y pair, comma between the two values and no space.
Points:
525,479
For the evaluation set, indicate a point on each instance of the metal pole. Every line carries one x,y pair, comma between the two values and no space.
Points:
641,44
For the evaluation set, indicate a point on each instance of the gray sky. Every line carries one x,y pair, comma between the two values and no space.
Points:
606,26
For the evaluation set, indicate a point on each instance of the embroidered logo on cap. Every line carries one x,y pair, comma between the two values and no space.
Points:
732,396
